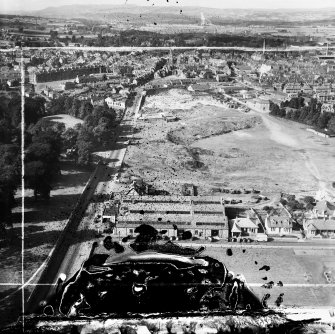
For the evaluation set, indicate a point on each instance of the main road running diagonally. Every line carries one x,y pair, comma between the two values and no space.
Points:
76,245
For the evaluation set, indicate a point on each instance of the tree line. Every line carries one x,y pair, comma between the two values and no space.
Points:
45,140
96,131
297,110
41,153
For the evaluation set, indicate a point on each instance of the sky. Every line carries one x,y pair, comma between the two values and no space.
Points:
7,6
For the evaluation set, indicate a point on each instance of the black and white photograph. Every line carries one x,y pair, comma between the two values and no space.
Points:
167,166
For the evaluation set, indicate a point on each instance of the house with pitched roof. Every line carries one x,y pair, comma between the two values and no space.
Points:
243,226
320,228
278,221
322,209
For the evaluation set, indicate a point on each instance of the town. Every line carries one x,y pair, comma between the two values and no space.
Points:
222,148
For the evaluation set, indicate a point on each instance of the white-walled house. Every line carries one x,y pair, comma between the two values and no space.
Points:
243,226
319,228
116,102
278,222
322,209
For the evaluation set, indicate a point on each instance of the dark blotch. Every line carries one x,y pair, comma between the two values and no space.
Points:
266,268
229,252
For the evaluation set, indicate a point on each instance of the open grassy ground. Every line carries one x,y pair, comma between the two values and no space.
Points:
68,120
273,156
285,266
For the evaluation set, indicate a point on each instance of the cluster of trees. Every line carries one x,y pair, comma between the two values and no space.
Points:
44,142
42,153
292,204
308,114
97,130
10,148
70,106
133,37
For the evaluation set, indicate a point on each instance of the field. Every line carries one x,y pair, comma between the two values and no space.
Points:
211,146
286,266
68,120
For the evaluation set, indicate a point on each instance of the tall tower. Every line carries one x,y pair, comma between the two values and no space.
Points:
264,46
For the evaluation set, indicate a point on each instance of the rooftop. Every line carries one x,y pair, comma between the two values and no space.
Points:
322,225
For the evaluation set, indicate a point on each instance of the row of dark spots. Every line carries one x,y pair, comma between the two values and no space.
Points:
229,251
278,301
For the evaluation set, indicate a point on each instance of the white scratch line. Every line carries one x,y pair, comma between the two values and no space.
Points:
26,284
22,179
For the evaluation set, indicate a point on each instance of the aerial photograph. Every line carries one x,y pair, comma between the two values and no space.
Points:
167,166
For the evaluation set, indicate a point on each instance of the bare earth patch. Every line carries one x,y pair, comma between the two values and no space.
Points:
212,146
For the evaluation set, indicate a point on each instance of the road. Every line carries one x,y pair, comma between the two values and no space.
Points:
308,244
77,244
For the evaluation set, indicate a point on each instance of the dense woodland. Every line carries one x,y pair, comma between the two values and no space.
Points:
148,38
297,110
44,142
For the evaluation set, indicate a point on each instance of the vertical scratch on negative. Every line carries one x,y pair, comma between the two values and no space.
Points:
22,182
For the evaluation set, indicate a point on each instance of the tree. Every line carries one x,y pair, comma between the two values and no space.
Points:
331,124
5,132
309,199
102,132
85,109
46,125
323,120
57,106
53,34
84,152
42,162
36,176
68,101
75,108
9,181
69,138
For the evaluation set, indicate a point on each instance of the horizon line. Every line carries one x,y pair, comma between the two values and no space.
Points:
21,11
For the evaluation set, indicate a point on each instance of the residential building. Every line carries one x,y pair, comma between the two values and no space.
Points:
322,209
327,107
320,228
51,74
278,222
108,216
204,216
259,104
117,102
241,227
292,89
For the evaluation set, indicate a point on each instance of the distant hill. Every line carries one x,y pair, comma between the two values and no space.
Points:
188,14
